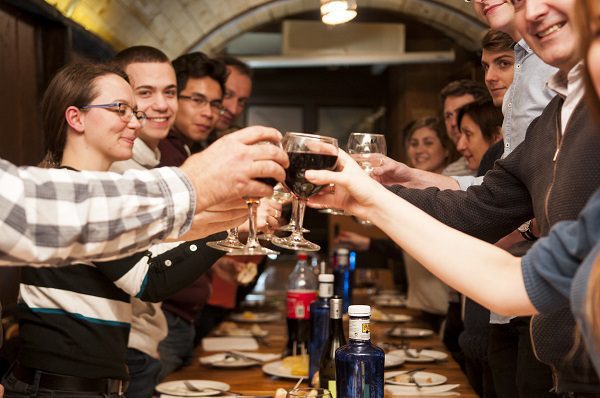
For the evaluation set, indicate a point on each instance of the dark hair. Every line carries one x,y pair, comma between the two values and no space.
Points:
497,41
236,63
198,65
458,88
135,54
73,85
434,124
487,116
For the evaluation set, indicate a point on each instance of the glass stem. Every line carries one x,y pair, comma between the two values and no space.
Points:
252,220
300,218
294,215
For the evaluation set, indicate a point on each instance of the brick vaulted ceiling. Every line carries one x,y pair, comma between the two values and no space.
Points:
179,26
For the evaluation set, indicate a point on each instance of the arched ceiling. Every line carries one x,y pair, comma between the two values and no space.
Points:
179,26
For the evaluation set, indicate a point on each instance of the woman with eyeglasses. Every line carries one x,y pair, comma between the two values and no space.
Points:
74,321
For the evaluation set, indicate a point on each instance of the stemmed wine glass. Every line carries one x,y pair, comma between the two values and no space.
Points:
291,226
368,150
282,196
231,242
305,152
253,246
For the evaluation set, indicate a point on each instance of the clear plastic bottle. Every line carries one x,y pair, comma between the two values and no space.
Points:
302,291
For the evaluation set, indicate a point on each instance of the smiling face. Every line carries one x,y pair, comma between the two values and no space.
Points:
155,88
472,144
499,72
497,14
238,88
108,138
547,26
426,152
196,122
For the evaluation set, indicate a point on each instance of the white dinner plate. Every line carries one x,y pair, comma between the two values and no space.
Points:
178,388
409,332
391,318
392,360
227,361
254,317
420,356
425,379
278,370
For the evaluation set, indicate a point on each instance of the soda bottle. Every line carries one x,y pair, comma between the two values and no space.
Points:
359,364
302,291
319,324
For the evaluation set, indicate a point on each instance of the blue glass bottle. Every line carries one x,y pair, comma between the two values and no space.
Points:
359,364
319,325
341,271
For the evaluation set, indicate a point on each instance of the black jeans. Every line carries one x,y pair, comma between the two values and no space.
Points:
516,371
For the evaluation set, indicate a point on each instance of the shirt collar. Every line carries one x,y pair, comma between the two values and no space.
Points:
560,82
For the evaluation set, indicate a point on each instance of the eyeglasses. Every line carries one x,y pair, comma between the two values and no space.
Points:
199,101
125,111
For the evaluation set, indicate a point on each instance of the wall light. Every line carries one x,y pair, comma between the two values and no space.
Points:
334,12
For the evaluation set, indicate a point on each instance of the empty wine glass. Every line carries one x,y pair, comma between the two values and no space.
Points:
305,152
231,242
253,246
368,150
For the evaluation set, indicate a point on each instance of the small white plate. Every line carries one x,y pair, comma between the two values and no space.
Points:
179,389
425,379
421,356
227,361
390,301
278,370
392,318
392,360
409,332
257,317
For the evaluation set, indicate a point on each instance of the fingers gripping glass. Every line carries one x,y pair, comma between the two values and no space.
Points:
125,111
199,101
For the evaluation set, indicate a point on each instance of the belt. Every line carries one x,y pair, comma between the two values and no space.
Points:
53,381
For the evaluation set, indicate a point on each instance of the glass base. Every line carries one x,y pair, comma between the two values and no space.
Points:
226,245
296,243
252,251
291,228
266,237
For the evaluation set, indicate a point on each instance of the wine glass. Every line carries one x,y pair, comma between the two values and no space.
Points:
253,246
305,152
303,392
368,150
282,196
231,242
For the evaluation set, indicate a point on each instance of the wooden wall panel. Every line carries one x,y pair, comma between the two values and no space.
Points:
8,86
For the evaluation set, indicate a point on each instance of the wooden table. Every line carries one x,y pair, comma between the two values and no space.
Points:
252,381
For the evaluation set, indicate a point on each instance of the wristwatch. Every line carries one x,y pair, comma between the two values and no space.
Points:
526,232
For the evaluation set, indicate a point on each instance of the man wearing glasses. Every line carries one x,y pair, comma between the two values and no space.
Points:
200,88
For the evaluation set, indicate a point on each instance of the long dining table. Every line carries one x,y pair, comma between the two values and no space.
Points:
253,381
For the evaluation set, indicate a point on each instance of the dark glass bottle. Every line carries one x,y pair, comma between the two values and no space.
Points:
319,324
343,276
359,364
302,291
335,340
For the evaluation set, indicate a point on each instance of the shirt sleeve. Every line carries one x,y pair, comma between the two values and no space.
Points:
551,264
58,216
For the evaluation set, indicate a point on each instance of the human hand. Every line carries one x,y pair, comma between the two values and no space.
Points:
356,241
228,168
216,219
236,269
354,190
391,172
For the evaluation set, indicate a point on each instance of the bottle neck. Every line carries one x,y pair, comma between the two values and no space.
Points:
325,290
360,329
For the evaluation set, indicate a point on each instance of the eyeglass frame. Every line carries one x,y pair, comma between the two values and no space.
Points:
139,115
200,101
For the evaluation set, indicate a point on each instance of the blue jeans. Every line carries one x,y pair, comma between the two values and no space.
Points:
14,388
177,349
143,374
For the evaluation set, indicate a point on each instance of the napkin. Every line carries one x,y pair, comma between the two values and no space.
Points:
412,391
253,355
229,343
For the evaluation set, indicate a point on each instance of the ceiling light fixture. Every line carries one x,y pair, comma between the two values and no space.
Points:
334,12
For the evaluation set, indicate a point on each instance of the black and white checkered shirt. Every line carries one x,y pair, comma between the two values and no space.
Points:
57,216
